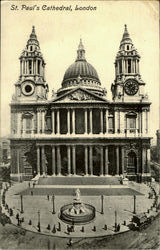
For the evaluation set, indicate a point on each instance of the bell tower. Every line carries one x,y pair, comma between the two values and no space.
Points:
31,85
128,85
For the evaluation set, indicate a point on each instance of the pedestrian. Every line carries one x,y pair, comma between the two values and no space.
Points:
68,229
118,227
59,226
70,242
17,216
48,197
29,185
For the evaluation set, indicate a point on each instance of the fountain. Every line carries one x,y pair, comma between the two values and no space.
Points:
77,212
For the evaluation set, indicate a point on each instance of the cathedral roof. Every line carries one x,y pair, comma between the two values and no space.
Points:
80,68
81,73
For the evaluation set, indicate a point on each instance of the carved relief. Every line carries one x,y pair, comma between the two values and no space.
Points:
80,96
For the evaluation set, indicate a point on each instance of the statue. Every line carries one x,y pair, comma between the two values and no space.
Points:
77,194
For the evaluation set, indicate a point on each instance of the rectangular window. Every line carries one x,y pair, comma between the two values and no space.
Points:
28,125
39,66
30,67
110,125
129,65
120,66
131,124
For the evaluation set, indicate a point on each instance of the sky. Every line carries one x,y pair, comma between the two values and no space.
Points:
59,34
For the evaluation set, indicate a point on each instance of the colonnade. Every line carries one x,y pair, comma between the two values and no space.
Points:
71,121
38,122
35,67
71,160
124,66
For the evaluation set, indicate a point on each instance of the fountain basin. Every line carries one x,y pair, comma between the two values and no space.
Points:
83,217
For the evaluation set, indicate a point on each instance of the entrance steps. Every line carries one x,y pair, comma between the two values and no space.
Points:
78,180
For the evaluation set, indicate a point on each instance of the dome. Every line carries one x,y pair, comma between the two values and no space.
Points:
82,74
82,69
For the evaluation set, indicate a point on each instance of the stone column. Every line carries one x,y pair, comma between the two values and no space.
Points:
18,164
121,117
143,123
122,159
117,159
68,121
73,121
148,160
43,160
101,170
85,122
20,68
38,160
32,129
53,122
127,66
37,66
138,66
90,122
74,159
91,160
106,160
19,115
143,159
86,160
58,122
146,130
38,122
43,121
101,120
106,121
24,125
58,161
69,159
53,161
148,122
123,66
116,120
26,66
138,165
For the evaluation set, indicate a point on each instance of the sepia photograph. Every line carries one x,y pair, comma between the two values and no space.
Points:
80,125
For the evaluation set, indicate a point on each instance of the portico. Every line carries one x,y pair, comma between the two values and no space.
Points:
95,161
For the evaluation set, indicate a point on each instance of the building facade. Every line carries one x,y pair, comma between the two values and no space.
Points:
79,131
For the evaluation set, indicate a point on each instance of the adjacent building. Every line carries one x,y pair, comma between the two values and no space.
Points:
79,131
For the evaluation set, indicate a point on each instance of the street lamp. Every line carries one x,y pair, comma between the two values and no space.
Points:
39,224
115,224
102,198
53,200
134,197
21,204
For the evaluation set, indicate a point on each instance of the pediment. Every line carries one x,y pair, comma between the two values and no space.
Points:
79,95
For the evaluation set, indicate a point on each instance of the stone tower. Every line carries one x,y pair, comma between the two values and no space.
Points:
31,85
128,85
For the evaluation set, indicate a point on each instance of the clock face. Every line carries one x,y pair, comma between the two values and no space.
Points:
28,88
131,87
